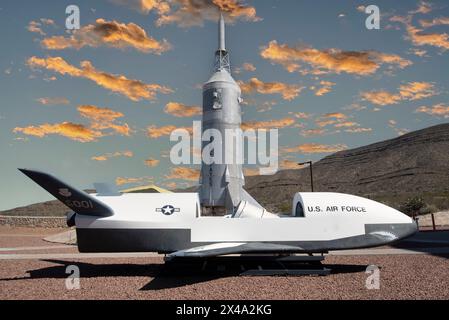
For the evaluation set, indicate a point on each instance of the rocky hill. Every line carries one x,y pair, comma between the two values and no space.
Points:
416,163
390,171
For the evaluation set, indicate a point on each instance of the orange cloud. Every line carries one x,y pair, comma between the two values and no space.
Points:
270,124
326,88
381,98
157,132
358,130
104,118
407,92
133,89
309,148
330,118
53,101
288,164
287,91
439,110
435,22
109,33
300,115
249,67
100,119
120,181
183,173
36,26
420,38
77,132
313,132
151,162
181,110
331,60
187,13
108,156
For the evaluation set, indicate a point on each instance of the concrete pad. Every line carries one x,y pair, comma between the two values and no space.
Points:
68,237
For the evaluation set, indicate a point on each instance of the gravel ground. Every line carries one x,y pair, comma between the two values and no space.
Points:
401,277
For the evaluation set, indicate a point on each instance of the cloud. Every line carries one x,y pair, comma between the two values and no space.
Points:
439,40
331,60
326,88
435,22
330,118
381,98
188,13
439,110
346,124
289,164
246,66
133,89
407,92
423,8
104,118
418,52
77,132
300,115
418,36
287,91
270,124
120,181
101,119
109,33
181,110
249,67
354,107
47,101
110,155
400,131
358,130
157,132
183,173
309,148
36,26
151,162
313,132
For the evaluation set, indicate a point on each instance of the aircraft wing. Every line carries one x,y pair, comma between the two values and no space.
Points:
225,248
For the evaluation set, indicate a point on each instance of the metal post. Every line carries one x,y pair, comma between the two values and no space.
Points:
311,175
433,222
311,171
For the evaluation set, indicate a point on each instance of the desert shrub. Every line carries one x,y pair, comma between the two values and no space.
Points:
413,206
286,207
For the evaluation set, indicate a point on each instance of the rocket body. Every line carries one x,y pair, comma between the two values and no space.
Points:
222,182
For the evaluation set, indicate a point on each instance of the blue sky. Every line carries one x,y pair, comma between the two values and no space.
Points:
309,68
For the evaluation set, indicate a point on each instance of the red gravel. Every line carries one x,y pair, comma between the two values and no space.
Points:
401,277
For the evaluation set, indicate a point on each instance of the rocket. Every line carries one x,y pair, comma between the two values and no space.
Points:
222,183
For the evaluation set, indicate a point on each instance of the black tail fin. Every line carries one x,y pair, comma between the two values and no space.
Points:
76,200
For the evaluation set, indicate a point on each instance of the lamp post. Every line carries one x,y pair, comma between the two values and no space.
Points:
311,171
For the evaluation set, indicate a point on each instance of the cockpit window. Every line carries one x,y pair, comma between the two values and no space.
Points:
299,211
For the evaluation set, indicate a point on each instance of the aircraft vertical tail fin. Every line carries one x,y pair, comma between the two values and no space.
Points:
77,200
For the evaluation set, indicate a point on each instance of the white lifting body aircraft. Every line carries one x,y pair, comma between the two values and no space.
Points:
173,223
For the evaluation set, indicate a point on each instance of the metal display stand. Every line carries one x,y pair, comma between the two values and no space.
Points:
252,265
